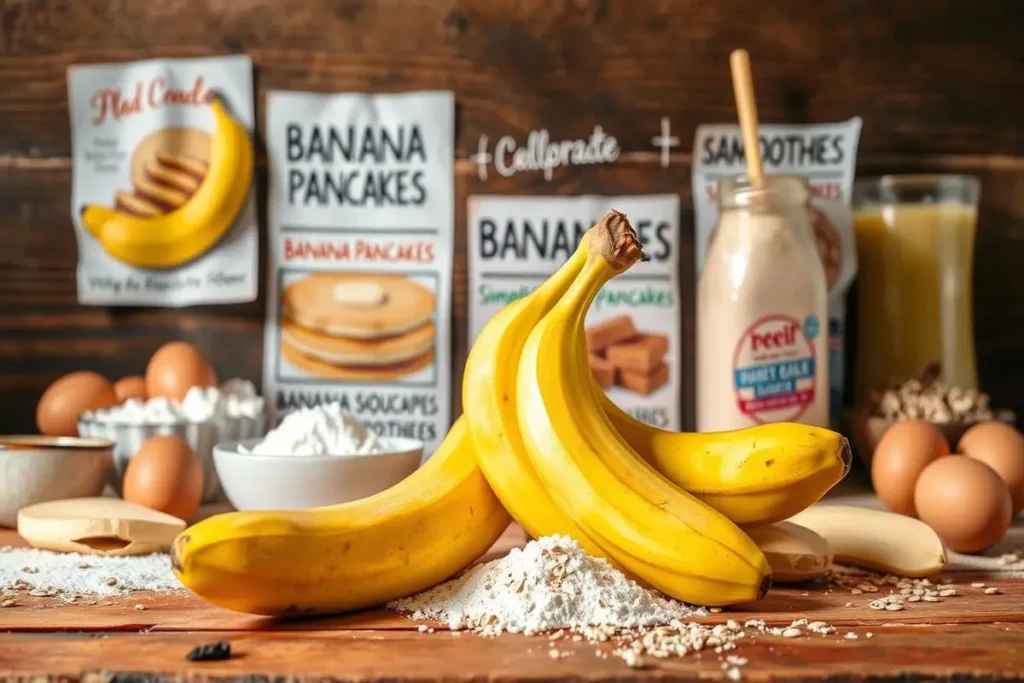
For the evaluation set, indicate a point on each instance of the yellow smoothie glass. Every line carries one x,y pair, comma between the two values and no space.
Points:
915,250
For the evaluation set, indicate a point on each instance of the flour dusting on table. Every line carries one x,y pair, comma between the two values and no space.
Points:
55,574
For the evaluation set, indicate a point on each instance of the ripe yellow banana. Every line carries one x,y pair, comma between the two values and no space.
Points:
174,238
665,536
416,534
489,406
753,476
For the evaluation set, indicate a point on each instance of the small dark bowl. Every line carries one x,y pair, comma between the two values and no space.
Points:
866,430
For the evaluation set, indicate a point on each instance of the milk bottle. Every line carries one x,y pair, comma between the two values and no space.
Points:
762,311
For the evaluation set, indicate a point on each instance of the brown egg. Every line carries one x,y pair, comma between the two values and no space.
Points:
165,475
902,453
133,386
965,501
175,368
66,399
1001,447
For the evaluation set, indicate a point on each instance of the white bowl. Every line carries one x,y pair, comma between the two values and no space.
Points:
37,469
200,436
290,482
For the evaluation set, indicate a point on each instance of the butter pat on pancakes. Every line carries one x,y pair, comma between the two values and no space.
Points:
349,326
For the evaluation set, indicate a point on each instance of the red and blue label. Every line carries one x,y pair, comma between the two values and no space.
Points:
774,368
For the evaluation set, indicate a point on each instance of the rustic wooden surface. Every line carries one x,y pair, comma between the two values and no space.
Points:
895,653
972,635
937,85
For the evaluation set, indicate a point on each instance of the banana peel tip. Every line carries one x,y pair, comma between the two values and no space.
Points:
846,455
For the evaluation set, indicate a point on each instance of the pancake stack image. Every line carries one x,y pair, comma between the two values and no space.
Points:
356,327
167,169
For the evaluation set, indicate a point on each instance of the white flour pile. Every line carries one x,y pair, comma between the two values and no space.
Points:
321,430
234,398
43,573
549,584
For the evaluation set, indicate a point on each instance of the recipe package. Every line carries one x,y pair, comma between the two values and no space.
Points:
633,327
161,195
359,263
826,154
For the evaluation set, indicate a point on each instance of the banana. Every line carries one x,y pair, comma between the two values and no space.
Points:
875,539
757,475
795,553
174,238
416,534
489,406
655,530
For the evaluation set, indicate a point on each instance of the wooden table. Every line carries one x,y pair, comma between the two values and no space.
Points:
971,636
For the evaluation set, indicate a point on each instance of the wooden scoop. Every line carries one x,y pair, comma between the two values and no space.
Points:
97,526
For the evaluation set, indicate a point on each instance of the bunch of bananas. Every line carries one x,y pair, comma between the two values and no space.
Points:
197,222
539,440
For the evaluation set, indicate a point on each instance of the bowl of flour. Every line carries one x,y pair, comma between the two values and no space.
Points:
317,456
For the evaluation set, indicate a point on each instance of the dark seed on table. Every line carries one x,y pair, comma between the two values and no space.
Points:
211,652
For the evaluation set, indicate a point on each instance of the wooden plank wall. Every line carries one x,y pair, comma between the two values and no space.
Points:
938,84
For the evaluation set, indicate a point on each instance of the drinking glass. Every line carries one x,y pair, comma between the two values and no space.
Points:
915,248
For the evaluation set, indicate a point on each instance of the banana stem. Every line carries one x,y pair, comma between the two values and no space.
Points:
612,246
613,239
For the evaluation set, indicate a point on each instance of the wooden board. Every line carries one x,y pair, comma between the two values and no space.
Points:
936,79
936,86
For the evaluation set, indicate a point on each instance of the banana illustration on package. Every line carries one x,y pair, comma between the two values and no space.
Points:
171,239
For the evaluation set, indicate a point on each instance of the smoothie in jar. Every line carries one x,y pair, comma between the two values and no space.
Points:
762,311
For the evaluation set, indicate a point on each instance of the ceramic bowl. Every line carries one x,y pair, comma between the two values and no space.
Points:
287,482
37,469
200,436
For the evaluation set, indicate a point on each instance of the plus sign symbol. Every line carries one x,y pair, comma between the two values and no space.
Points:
481,158
665,141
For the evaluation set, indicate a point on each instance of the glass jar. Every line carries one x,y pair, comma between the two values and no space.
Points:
762,311
915,244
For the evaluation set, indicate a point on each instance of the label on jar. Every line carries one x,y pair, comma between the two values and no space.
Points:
825,154
161,188
633,326
774,371
361,226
